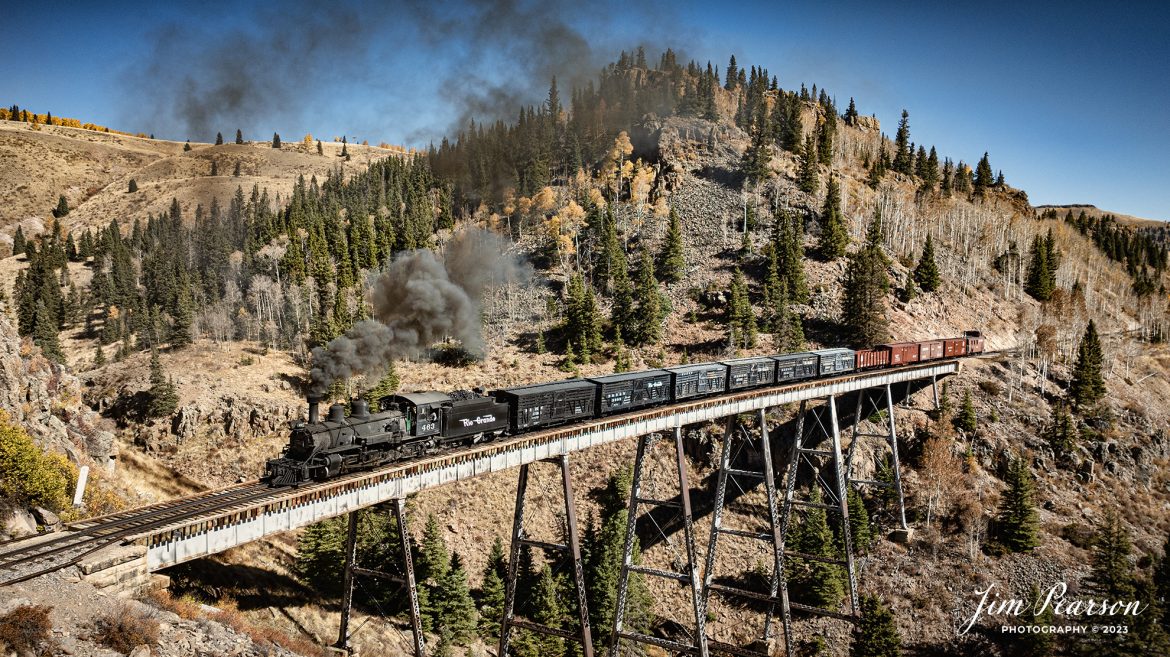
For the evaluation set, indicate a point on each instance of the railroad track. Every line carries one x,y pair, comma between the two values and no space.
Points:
25,559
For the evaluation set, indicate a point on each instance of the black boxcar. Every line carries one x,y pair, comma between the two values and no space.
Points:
548,404
835,361
468,417
632,390
794,367
688,381
750,372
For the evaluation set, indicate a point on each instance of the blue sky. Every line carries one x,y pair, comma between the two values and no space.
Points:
1073,105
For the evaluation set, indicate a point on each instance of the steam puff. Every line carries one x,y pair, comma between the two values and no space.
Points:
419,300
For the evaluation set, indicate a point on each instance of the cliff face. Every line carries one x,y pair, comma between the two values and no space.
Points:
45,399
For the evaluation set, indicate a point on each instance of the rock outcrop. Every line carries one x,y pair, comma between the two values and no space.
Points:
45,399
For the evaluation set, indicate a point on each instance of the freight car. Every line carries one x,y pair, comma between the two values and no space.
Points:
408,425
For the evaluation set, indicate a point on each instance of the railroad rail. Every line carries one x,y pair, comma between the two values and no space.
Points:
207,523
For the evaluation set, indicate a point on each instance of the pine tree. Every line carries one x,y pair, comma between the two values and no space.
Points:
99,356
807,178
1019,524
984,179
187,146
967,421
1039,643
1088,384
582,322
759,153
604,562
432,568
860,533
321,556
732,75
163,395
219,139
672,264
62,208
926,273
550,612
133,187
45,333
320,149
741,320
1040,281
18,241
817,583
1111,577
1063,434
456,608
491,592
239,136
876,634
648,313
902,153
214,168
275,140
851,113
788,242
236,170
180,334
867,284
834,237
385,387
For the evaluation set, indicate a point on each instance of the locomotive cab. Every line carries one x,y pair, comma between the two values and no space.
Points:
422,411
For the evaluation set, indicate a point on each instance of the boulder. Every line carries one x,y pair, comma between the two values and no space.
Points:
46,518
18,523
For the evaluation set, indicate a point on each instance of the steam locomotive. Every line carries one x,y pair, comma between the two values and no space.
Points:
408,425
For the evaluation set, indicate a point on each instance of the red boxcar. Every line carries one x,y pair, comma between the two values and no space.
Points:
954,347
930,350
879,356
902,353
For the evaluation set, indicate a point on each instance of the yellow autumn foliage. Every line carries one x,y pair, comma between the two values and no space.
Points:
30,476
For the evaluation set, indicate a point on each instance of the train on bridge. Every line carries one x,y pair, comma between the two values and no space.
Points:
413,424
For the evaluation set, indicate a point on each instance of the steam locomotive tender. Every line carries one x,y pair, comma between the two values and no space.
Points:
413,424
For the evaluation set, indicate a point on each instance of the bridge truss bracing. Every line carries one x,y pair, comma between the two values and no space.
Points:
571,549
234,521
352,570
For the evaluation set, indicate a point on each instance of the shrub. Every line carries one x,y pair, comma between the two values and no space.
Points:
30,476
126,627
184,607
27,630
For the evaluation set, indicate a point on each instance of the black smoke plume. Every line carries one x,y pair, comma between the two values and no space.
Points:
420,299
487,59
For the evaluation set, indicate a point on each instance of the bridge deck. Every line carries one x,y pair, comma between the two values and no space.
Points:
289,509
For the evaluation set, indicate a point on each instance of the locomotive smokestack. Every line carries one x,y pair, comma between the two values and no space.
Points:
314,403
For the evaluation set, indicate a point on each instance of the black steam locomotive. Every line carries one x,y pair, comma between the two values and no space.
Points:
413,424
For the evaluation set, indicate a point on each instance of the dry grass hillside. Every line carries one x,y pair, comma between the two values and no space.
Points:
93,171
1094,211
234,396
